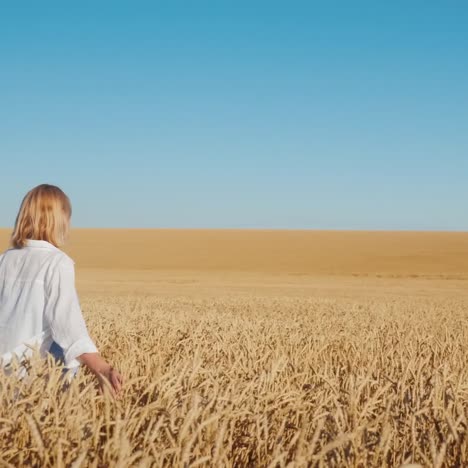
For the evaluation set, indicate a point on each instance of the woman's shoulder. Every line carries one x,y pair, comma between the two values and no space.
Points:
60,266
65,259
61,260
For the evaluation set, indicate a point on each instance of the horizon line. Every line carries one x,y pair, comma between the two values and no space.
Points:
113,228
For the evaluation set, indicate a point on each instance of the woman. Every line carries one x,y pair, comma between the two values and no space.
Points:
39,305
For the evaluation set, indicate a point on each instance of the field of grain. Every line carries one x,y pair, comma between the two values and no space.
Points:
258,348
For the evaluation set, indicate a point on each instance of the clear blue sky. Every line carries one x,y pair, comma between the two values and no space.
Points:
330,114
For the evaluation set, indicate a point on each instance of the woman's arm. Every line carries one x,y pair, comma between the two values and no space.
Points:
103,370
65,319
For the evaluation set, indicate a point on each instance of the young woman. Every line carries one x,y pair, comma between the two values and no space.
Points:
39,306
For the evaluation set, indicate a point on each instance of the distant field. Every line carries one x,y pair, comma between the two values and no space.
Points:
259,348
432,254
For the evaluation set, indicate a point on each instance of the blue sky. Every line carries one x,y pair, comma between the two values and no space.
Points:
242,114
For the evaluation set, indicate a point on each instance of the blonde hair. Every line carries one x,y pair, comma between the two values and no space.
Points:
44,215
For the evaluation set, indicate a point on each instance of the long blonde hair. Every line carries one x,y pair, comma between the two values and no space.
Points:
44,215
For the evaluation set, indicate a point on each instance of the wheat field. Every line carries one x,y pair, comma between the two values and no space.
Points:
257,348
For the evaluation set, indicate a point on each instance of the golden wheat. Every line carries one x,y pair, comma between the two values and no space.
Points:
246,380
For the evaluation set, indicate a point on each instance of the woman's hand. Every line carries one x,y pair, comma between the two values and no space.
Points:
107,376
113,377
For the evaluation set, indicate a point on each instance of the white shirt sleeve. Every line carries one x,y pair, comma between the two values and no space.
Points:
63,313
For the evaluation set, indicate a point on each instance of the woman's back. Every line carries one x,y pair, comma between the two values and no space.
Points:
25,276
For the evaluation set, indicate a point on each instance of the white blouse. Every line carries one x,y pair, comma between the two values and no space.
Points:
39,304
